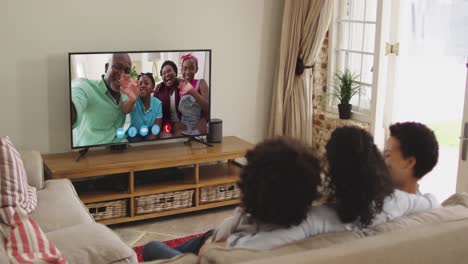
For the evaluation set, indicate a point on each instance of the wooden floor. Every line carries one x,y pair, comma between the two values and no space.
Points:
171,227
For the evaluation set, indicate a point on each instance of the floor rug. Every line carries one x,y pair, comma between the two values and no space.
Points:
172,243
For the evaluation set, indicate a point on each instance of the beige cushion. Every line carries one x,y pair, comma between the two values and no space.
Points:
436,243
456,208
222,255
32,161
457,199
181,259
59,206
92,243
14,188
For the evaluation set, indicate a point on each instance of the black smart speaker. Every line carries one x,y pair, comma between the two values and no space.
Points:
215,130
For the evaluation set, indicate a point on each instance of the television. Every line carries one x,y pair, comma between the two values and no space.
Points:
138,96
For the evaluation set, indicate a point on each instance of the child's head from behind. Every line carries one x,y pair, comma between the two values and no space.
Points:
410,152
280,181
358,178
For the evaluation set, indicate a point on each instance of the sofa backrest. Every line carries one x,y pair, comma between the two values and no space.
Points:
238,255
32,161
426,244
455,209
435,216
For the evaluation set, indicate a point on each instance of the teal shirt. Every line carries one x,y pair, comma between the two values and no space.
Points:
140,117
97,114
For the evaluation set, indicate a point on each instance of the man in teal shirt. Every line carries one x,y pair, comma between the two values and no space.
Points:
99,106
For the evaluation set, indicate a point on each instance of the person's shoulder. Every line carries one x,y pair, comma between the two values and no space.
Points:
155,101
203,83
322,213
81,82
88,81
159,87
321,219
84,83
432,198
400,196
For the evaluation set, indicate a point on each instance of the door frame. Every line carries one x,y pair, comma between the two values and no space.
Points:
378,127
462,175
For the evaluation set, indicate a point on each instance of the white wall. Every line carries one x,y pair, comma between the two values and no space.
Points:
36,36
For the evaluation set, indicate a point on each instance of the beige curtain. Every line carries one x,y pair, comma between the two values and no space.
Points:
305,24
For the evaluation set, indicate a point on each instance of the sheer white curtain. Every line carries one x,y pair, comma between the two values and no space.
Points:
305,24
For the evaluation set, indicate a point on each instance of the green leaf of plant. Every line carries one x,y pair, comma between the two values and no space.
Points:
133,72
345,87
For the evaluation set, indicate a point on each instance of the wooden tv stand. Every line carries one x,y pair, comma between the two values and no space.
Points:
202,166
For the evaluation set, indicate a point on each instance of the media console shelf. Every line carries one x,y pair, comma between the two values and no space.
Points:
138,183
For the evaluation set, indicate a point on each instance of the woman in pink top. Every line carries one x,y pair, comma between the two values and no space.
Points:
197,88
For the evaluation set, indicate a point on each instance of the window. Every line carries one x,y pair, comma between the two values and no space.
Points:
352,46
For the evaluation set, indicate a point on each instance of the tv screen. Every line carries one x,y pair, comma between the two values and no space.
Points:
123,97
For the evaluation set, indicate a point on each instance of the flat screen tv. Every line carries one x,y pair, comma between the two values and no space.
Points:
130,97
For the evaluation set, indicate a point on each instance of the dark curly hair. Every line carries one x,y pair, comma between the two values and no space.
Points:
279,182
170,63
418,141
358,178
149,75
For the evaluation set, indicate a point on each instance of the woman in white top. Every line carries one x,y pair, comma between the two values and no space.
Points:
278,185
360,191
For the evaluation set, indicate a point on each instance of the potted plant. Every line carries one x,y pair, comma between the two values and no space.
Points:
346,86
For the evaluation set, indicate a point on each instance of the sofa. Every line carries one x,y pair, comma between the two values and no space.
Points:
66,222
436,236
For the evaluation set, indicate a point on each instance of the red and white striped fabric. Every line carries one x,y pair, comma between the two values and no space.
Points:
26,243
14,188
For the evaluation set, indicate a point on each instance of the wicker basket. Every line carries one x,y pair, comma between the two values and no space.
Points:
107,210
163,202
216,193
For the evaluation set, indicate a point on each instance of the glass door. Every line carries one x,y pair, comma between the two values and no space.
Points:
426,79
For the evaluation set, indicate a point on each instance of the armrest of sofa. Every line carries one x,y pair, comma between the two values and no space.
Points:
32,161
92,243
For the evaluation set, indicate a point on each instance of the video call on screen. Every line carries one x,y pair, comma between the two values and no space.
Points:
171,92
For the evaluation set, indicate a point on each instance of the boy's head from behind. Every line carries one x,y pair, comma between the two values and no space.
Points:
410,153
280,181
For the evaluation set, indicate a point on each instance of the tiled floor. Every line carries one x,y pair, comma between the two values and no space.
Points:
171,227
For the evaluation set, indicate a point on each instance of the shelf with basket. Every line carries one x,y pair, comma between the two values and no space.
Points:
94,197
137,217
162,202
220,173
218,182
152,181
164,180
102,188
109,209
